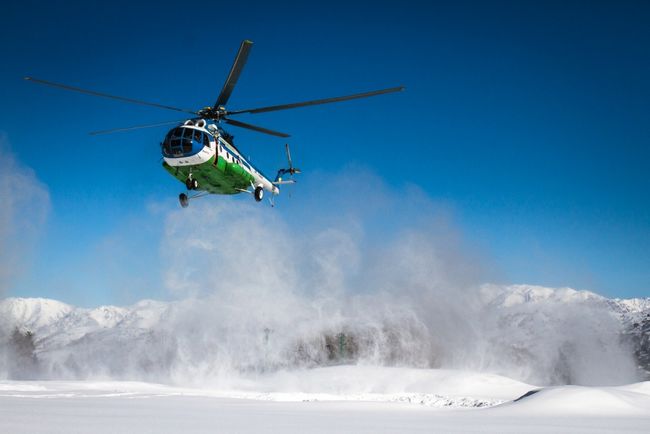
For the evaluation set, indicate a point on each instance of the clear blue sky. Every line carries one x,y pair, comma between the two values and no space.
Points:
532,119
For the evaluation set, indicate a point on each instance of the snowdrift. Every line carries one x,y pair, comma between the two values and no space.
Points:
578,400
356,399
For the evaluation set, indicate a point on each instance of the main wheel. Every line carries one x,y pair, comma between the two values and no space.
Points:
183,199
195,184
259,193
188,183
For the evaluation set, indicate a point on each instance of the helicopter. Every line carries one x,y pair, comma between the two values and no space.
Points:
201,154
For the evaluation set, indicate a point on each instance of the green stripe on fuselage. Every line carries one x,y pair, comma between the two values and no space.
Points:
222,178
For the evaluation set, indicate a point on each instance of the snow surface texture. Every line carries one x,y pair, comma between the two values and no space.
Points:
430,388
132,407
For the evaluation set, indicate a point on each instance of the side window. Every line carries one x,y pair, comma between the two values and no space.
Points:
206,141
197,135
167,144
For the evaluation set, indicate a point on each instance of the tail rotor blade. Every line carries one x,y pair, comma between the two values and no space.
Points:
286,147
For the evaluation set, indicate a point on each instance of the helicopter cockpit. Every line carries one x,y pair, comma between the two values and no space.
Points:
182,142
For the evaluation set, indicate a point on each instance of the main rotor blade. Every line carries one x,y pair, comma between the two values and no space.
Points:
105,95
254,128
137,127
235,71
317,101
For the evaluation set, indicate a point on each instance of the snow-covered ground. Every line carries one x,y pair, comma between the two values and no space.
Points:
231,362
355,399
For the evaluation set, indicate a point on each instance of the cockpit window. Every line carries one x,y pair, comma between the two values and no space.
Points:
187,140
184,140
175,140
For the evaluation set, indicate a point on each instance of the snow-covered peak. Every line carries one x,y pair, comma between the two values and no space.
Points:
32,313
56,324
512,295
108,316
632,305
148,312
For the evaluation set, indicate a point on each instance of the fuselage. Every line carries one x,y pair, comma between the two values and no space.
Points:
200,150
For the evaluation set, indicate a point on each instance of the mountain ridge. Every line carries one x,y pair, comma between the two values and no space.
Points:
153,338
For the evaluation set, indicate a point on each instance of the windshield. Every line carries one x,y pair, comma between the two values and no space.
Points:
183,141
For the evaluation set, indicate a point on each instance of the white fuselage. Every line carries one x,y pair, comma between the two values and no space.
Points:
219,146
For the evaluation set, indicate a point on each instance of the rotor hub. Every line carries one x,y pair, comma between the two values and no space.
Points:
215,113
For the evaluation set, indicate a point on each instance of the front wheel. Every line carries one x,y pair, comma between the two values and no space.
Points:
191,184
184,200
259,194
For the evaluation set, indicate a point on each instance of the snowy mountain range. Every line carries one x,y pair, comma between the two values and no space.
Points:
633,315
542,328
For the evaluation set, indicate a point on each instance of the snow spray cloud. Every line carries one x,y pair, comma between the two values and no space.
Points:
383,281
25,205
370,276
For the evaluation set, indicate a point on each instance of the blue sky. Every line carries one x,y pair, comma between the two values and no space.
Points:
530,120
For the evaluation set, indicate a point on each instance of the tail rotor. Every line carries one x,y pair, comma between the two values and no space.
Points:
289,170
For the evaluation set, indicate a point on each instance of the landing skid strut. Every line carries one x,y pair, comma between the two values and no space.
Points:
184,199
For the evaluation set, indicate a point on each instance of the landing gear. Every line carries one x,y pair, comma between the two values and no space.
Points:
184,200
191,184
258,193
